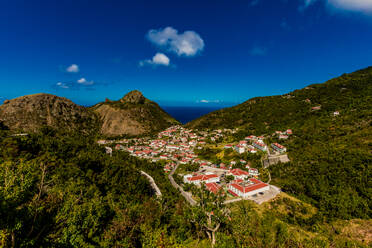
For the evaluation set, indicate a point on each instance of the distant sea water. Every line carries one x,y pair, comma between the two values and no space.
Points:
186,114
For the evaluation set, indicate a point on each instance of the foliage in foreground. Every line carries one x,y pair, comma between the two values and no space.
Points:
62,190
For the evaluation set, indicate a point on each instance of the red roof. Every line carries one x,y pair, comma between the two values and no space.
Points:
256,184
278,145
213,187
259,144
234,194
237,181
202,177
239,172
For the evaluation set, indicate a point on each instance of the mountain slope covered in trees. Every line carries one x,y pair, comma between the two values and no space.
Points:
331,150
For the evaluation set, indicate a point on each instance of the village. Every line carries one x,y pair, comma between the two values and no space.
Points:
177,148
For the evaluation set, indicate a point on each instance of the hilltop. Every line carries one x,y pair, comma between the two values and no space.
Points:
330,151
132,115
30,113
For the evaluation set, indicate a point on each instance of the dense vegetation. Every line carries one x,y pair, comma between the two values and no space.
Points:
331,156
62,190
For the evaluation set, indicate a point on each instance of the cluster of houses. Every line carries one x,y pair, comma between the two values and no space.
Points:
245,183
176,144
283,134
253,144
249,144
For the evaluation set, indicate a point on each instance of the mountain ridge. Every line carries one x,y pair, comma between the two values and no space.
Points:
131,115
31,112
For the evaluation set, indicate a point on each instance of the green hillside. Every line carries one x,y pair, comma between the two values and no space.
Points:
64,191
331,156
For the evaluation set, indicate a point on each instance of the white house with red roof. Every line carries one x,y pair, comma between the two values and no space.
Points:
253,172
197,179
240,149
239,173
289,131
283,136
248,188
278,147
251,137
260,145
163,157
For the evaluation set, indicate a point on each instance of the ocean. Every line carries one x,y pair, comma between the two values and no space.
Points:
186,114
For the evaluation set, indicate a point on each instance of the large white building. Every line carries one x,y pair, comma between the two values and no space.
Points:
239,173
248,188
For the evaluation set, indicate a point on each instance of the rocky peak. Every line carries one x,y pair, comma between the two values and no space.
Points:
134,96
32,112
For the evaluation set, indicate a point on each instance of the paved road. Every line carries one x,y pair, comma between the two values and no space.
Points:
185,194
153,184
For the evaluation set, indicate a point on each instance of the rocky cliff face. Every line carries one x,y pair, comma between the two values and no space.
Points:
132,115
30,113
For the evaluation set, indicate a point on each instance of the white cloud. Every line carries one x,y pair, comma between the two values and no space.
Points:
83,81
208,101
350,5
62,85
354,5
188,43
158,59
74,68
258,51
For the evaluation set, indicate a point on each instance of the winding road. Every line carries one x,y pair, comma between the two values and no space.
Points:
186,195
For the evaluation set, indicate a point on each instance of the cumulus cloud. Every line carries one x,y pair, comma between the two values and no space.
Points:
74,68
83,81
350,5
158,59
187,44
258,51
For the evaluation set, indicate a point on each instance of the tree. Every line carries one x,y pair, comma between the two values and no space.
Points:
210,212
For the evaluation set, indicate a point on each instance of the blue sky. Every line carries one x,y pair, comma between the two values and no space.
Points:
179,52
